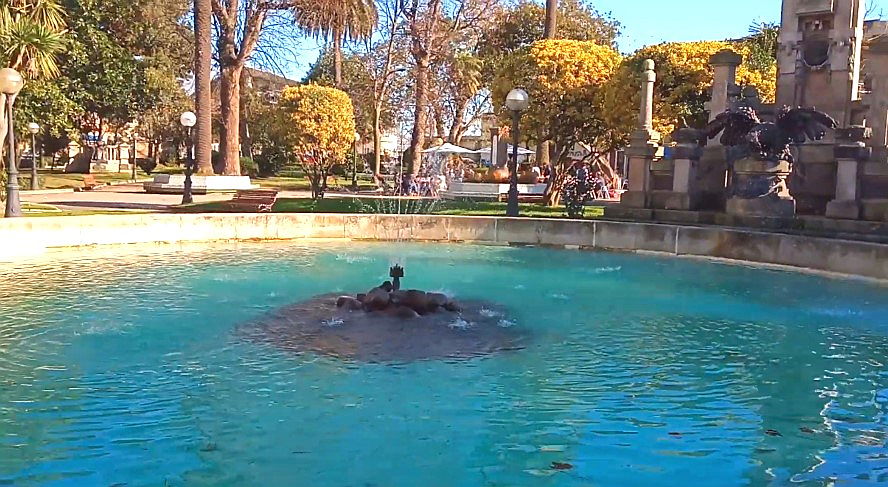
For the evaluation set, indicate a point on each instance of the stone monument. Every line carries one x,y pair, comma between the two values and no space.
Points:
643,145
819,65
819,55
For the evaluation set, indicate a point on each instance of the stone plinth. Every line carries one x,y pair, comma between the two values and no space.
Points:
813,182
175,184
686,160
875,210
758,188
712,173
851,155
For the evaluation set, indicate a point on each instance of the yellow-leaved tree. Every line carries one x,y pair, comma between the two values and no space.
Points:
684,79
317,124
563,79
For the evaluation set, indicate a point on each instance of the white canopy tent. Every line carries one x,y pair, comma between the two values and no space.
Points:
486,156
448,148
435,164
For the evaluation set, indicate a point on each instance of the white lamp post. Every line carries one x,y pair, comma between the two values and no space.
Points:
188,120
34,128
516,101
11,84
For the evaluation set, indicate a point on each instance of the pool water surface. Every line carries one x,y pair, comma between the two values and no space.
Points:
124,367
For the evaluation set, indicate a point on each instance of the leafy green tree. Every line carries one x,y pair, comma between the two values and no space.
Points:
522,24
564,80
318,126
45,102
355,80
762,46
518,26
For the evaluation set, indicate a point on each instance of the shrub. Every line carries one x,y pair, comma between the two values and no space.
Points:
248,167
318,126
146,164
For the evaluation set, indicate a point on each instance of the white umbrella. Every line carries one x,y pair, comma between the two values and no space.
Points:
448,148
521,151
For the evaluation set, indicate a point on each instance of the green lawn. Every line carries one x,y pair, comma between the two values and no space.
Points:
294,183
388,206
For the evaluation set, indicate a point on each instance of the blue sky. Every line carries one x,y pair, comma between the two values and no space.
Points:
651,21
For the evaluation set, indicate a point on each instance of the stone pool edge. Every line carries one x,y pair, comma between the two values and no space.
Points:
20,236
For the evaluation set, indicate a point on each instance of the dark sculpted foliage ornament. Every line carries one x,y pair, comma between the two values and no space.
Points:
741,127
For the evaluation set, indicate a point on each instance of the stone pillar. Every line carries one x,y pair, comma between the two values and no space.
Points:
851,154
713,166
724,77
685,192
124,149
643,144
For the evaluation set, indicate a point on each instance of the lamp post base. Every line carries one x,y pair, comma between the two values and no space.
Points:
13,203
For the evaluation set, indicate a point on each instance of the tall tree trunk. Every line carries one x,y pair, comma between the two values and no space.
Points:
545,148
203,103
551,19
440,133
337,58
377,142
421,116
246,138
229,142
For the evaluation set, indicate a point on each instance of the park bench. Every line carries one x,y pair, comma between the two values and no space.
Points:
89,183
254,200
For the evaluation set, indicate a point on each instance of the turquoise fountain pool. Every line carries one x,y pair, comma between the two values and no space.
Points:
123,367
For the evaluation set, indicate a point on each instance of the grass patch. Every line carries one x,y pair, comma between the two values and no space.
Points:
390,206
301,183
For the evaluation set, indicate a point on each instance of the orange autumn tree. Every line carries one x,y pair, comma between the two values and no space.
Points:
563,79
317,124
684,79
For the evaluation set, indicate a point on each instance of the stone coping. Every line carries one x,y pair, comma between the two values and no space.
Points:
22,236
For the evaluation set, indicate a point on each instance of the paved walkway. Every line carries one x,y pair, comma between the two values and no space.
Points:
129,197
122,197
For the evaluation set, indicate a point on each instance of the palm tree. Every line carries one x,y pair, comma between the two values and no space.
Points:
203,103
338,20
551,17
31,34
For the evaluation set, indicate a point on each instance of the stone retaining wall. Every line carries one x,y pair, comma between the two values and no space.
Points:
29,235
